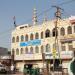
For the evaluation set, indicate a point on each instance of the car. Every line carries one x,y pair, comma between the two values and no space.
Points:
2,69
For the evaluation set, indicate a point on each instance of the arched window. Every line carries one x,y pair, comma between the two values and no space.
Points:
41,35
47,33
47,48
63,47
36,49
17,39
22,51
70,46
13,39
26,37
22,38
17,51
42,49
31,37
69,30
62,31
36,36
26,50
54,32
31,49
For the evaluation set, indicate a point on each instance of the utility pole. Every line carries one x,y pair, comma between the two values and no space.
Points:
43,60
57,18
14,19
12,58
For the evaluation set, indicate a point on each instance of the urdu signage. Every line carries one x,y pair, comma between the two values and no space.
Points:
50,55
31,42
66,54
63,55
5,57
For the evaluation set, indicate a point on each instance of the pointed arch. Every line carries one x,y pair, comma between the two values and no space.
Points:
31,49
17,39
26,50
17,51
47,33
31,36
36,49
22,51
22,38
69,30
37,36
26,37
54,32
62,31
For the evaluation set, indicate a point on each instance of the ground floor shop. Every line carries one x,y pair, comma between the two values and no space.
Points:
46,61
48,64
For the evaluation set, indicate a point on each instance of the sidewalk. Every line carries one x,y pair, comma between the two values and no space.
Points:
18,73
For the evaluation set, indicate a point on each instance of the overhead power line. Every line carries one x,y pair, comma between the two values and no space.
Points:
49,9
2,33
66,2
38,15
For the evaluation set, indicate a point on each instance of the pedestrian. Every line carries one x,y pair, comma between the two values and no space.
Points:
12,68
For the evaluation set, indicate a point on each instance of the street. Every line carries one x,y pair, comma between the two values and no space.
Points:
18,73
13,74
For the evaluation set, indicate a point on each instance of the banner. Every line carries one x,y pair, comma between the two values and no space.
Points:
54,53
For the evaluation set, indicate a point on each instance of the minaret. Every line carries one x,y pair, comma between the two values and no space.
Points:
34,17
45,17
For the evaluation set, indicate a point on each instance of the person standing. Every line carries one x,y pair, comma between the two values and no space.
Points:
12,68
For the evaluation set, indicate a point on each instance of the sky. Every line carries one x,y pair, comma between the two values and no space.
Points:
23,11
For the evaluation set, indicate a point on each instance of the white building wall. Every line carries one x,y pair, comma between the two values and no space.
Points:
39,28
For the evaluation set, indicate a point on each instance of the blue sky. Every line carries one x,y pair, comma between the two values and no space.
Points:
23,11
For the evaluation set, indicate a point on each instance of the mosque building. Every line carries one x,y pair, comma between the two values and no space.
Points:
30,42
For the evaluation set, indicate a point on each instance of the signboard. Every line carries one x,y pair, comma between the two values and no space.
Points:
63,55
73,44
31,42
54,53
50,55
5,57
66,54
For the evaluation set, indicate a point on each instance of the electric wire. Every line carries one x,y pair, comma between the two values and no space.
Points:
47,10
66,2
38,15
